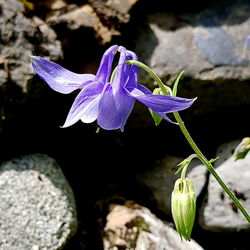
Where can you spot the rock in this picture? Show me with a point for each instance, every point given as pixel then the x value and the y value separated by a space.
pixel 160 180
pixel 102 17
pixel 225 151
pixel 85 16
pixel 113 12
pixel 218 212
pixel 197 172
pixel 137 228
pixel 209 46
pixel 20 37
pixel 37 209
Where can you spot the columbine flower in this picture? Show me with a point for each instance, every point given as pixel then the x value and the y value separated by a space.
pixel 110 103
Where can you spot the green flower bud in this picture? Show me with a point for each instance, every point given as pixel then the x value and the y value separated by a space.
pixel 183 207
pixel 242 149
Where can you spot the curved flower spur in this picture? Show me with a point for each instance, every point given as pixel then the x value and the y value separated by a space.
pixel 107 98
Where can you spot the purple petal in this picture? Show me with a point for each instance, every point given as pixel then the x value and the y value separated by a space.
pixel 85 106
pixel 161 103
pixel 59 78
pixel 132 75
pixel 165 117
pixel 121 74
pixel 114 109
pixel 104 71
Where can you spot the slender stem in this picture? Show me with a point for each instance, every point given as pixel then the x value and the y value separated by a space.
pixel 183 172
pixel 151 73
pixel 191 142
pixel 209 166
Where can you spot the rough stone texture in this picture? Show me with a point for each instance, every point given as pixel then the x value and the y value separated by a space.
pixel 137 228
pixel 218 213
pixel 103 17
pixel 20 38
pixel 209 46
pixel 82 17
pixel 37 208
pixel 160 181
pixel 113 12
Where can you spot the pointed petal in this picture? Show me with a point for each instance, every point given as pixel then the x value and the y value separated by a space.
pixel 165 117
pixel 161 103
pixel 114 109
pixel 57 77
pixel 104 71
pixel 85 106
pixel 121 75
pixel 131 70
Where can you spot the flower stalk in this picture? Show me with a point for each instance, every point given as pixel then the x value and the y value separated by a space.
pixel 193 145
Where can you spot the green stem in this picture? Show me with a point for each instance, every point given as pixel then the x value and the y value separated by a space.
pixel 209 166
pixel 191 142
pixel 183 172
pixel 151 73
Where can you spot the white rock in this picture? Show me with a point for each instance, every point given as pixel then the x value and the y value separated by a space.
pixel 218 212
pixel 139 229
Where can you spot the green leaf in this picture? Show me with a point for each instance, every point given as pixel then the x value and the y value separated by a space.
pixel 213 160
pixel 157 119
pixel 176 83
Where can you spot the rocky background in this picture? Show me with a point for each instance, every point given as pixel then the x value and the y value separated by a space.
pixel 77 189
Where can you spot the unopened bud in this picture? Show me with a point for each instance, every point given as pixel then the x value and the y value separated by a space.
pixel 242 149
pixel 183 207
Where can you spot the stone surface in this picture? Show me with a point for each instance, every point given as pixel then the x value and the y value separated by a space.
pixel 225 151
pixel 37 208
pixel 20 37
pixel 137 228
pixel 218 212
pixel 75 18
pixel 210 46
pixel 113 12
pixel 160 181
pixel 197 173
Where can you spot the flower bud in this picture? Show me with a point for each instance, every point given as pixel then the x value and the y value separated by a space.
pixel 183 207
pixel 242 149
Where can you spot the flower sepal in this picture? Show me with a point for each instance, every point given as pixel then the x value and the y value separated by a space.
pixel 158 91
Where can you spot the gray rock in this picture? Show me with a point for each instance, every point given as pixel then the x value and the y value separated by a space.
pixel 225 151
pixel 197 173
pixel 210 46
pixel 187 42
pixel 160 181
pixel 218 212
pixel 137 228
pixel 37 209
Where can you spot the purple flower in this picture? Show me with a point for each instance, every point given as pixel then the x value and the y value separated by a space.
pixel 110 103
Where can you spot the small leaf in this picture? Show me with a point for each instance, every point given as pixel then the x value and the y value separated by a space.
pixel 157 119
pixel 213 160
pixel 176 83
